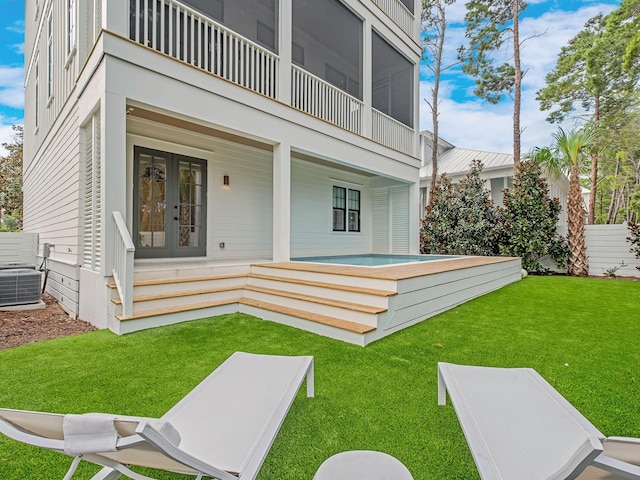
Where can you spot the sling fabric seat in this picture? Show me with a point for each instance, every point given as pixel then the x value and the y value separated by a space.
pixel 519 427
pixel 222 429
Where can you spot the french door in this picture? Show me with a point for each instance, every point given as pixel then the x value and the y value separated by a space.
pixel 169 204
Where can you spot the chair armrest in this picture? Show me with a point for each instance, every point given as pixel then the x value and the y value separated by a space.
pixel 617 467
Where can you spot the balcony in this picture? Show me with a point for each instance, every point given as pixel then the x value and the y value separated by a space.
pixel 399 13
pixel 185 34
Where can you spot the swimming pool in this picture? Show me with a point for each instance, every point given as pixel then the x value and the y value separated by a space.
pixel 372 259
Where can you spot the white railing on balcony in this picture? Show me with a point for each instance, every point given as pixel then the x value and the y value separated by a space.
pixel 183 33
pixel 392 133
pixel 123 252
pixel 321 99
pixel 399 13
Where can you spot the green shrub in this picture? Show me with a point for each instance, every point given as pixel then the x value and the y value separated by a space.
pixel 461 219
pixel 529 220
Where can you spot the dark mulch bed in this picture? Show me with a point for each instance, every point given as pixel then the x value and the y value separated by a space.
pixel 19 327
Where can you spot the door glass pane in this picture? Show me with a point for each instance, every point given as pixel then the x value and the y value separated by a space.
pixel 190 202
pixel 152 200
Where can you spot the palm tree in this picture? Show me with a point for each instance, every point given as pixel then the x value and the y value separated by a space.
pixel 569 155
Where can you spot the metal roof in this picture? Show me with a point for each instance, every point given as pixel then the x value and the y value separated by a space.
pixel 457 161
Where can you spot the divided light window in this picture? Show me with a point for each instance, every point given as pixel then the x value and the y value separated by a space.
pixel 346 210
pixel 36 87
pixel 71 26
pixel 327 42
pixel 50 55
pixel 392 82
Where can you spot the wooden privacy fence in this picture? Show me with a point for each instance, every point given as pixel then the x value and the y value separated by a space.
pixel 607 248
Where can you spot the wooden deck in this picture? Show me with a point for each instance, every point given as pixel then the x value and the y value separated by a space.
pixel 356 304
pixel 391 272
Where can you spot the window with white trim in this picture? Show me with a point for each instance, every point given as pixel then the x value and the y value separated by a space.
pixel 346 209
pixel 50 55
pixel 37 90
pixel 71 26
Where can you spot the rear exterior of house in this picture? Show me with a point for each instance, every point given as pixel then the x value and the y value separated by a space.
pixel 192 132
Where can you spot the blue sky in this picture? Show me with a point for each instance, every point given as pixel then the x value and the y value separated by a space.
pixel 465 121
pixel 11 67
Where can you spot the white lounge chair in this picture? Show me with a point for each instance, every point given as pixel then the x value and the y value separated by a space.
pixel 222 429
pixel 519 427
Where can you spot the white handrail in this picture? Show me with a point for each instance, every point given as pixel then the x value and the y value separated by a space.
pixel 123 253
pixel 399 13
pixel 187 35
pixel 394 134
pixel 319 98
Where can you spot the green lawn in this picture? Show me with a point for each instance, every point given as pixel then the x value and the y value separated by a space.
pixel 582 335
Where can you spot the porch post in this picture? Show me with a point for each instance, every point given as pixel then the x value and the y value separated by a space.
pixel 115 16
pixel 113 168
pixel 282 202
pixel 367 95
pixel 284 66
pixel 414 217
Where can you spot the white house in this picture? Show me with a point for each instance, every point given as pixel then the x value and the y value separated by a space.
pixel 179 153
pixel 498 171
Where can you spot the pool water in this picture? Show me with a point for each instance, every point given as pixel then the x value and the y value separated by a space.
pixel 372 259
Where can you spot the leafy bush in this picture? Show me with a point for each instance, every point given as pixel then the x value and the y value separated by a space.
pixel 634 239
pixel 529 220
pixel 461 219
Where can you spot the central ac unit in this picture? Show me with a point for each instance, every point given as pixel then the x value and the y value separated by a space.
pixel 19 287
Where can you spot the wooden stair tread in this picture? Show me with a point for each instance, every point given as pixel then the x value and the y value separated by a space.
pixel 178 309
pixel 313 317
pixel 346 288
pixel 187 293
pixel 169 281
pixel 357 307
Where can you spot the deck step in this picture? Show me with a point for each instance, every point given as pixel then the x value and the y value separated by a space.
pixel 188 293
pixel 312 317
pixel 356 307
pixel 168 281
pixel 332 286
pixel 177 309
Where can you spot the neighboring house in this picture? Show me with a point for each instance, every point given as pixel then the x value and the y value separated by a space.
pixel 215 132
pixel 498 172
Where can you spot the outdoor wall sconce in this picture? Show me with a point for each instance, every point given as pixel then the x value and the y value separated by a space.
pixel 225 180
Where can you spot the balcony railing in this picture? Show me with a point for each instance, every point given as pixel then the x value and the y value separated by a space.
pixel 399 13
pixel 392 133
pixel 321 99
pixel 183 33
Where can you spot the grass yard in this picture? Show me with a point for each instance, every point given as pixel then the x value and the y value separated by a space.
pixel 582 335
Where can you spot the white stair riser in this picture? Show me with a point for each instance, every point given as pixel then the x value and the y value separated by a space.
pixel 312 307
pixel 322 292
pixel 360 282
pixel 186 300
pixel 140 290
pixel 190 271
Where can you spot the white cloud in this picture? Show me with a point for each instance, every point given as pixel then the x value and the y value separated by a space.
pixel 16 27
pixel 6 132
pixel 11 87
pixel 479 125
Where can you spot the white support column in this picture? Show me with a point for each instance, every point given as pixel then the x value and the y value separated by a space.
pixel 113 167
pixel 367 89
pixel 414 217
pixel 282 202
pixel 115 16
pixel 284 66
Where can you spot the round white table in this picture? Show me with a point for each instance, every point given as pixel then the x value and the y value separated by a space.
pixel 362 465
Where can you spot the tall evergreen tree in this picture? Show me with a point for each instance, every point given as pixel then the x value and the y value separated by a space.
pixel 434 26
pixel 492 24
